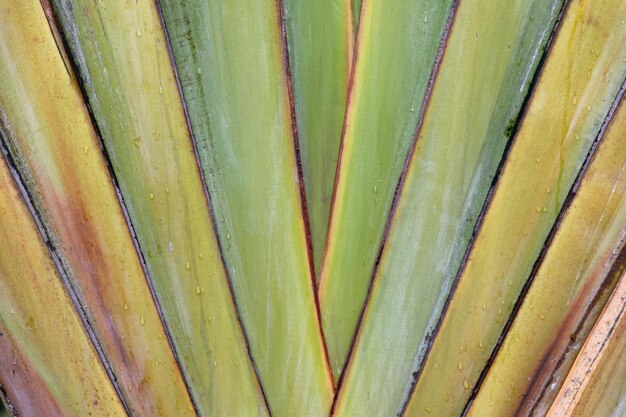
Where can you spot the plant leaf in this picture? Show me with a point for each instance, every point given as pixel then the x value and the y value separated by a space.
pixel 320 41
pixel 582 75
pixel 574 270
pixel 596 384
pixel 46 128
pixel 232 64
pixel 396 49
pixel 48 365
pixel 123 60
pixel 466 127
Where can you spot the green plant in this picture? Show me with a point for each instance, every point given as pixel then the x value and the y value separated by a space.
pixel 177 241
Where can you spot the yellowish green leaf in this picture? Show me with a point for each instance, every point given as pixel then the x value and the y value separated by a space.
pixel 394 55
pixel 469 120
pixel 574 270
pixel 581 78
pixel 46 127
pixel 122 57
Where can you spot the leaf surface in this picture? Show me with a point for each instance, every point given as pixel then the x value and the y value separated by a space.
pixel 48 364
pixel 46 127
pixel 582 76
pixel 320 39
pixel 574 270
pixel 122 57
pixel 232 62
pixel 596 384
pixel 467 124
pixel 395 52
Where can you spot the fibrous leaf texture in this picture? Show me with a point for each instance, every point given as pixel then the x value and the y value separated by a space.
pixel 312 208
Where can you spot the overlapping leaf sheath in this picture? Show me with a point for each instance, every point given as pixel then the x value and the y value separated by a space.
pixel 578 85
pixel 467 124
pixel 232 65
pixel 394 55
pixel 46 128
pixel 577 265
pixel 122 57
pixel 320 39
pixel 596 384
pixel 48 365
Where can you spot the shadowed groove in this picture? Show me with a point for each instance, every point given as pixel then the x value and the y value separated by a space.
pixel 9 407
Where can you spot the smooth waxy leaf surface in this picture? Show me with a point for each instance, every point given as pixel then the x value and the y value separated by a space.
pixel 320 39
pixel 574 270
pixel 394 54
pixel 466 127
pixel 596 384
pixel 46 127
pixel 124 65
pixel 573 96
pixel 48 365
pixel 232 64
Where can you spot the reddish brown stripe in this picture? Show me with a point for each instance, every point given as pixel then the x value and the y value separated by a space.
pixel 22 385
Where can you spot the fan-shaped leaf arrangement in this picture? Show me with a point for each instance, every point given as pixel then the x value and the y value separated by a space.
pixel 312 208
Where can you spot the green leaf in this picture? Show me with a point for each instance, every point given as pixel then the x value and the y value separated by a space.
pixel 571 100
pixel 395 51
pixel 232 64
pixel 122 56
pixel 320 42
pixel 465 129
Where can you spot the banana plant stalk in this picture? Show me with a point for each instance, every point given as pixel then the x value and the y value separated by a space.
pixel 334 208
